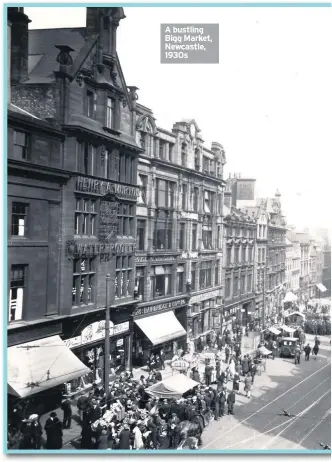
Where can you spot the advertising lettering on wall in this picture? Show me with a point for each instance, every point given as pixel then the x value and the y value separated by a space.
pixel 76 250
pixel 143 311
pixel 103 187
pixel 205 296
pixel 245 190
pixel 108 220
pixel 95 332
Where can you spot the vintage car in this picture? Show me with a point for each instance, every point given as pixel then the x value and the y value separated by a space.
pixel 288 346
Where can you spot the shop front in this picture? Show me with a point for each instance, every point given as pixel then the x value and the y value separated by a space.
pixel 204 318
pixel 89 348
pixel 159 326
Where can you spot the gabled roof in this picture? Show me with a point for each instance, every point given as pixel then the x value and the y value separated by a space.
pixel 42 52
pixel 18 110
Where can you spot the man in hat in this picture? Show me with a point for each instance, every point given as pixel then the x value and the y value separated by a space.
pixel 53 429
pixel 67 412
pixel 231 402
pixel 222 401
pixel 172 424
pixel 36 431
pixel 227 353
pixel 124 437
pixel 307 351
pixel 95 412
pixel 208 372
pixel 164 410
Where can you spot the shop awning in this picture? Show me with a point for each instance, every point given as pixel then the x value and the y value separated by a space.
pixel 172 387
pixel 288 329
pixel 161 327
pixel 290 297
pixel 264 351
pixel 295 313
pixel 39 365
pixel 274 331
pixel 321 287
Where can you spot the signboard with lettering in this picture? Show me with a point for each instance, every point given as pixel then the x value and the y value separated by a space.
pixel 108 220
pixel 104 187
pixel 95 332
pixel 245 190
pixel 146 310
pixel 76 250
pixel 189 215
pixel 180 365
pixel 201 297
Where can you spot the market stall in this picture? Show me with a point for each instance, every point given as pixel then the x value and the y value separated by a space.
pixel 172 387
pixel 287 330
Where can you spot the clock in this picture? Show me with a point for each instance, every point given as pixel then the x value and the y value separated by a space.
pixel 192 130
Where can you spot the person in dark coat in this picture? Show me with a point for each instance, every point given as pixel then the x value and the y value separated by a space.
pixel 36 433
pixel 49 429
pixel 103 440
pixel 231 402
pixel 245 365
pixel 195 375
pixel 222 402
pixel 315 350
pixel 164 410
pixel 86 436
pixel 162 359
pixel 124 438
pixel 218 369
pixel 307 351
pixel 158 376
pixel 54 433
pixel 253 371
pixel 67 412
pixel 174 408
pixel 153 435
pixel 247 385
pixel 297 356
pixel 171 429
pixel 236 382
pixel 95 412
pixel 227 353
pixel 208 373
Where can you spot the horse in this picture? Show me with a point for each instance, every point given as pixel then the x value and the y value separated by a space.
pixel 187 429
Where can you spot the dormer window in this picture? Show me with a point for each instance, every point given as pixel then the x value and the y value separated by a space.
pixel 110 113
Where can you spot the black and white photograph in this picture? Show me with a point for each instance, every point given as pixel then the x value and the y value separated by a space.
pixel 168 241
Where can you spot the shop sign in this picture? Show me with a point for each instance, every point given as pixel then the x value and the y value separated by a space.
pixel 140 259
pixel 104 187
pixel 189 215
pixel 162 257
pixel 180 365
pixel 160 307
pixel 75 250
pixel 188 255
pixel 201 297
pixel 95 332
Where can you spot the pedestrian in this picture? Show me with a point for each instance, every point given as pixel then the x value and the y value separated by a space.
pixel 195 375
pixel 315 350
pixel 67 412
pixel 208 372
pixel 227 353
pixel 172 430
pixel 297 356
pixel 102 441
pixel 236 383
pixel 222 401
pixel 231 402
pixel 307 351
pixel 124 437
pixel 247 385
pixel 245 365
pixel 218 369
pixel 162 359
pixel 36 432
pixel 253 371
pixel 138 438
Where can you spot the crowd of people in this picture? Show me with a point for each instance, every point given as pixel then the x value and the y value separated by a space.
pixel 130 418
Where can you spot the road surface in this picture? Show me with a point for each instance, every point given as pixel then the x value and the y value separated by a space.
pixel 303 390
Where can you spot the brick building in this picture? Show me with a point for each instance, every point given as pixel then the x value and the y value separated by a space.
pixel 179 237
pixel 72 190
pixel 239 262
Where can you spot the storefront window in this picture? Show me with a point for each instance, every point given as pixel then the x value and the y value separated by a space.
pixel 205 274
pixel 180 279
pixel 83 288
pixel 140 279
pixel 124 275
pixel 161 281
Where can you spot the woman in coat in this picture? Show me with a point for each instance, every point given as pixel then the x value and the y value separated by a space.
pixel 236 382
pixel 218 369
pixel 102 442
pixel 247 385
pixel 124 438
pixel 245 365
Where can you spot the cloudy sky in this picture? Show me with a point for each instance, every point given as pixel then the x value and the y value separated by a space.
pixel 268 101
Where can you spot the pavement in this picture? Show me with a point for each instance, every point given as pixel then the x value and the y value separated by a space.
pixel 303 390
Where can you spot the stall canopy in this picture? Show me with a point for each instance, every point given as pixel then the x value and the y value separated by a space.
pixel 264 351
pixel 172 387
pixel 295 313
pixel 321 287
pixel 290 297
pixel 36 366
pixel 274 331
pixel 161 328
pixel 287 329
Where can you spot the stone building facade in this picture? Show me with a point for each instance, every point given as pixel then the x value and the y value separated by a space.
pixel 79 147
pixel 179 233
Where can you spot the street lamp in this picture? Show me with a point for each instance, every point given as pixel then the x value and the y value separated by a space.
pixel 107 338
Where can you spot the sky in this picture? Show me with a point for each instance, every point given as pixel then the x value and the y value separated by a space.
pixel 268 101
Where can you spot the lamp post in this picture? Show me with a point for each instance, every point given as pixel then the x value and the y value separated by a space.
pixel 107 338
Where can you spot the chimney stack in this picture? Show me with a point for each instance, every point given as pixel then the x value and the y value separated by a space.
pixel 19 44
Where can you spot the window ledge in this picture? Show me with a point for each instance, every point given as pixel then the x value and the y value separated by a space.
pixel 112 131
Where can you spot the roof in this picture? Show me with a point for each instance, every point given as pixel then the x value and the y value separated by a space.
pixel 18 110
pixel 42 52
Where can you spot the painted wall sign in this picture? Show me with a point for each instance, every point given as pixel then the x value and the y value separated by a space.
pixel 163 257
pixel 103 187
pixel 201 297
pixel 140 259
pixel 245 189
pixel 188 255
pixel 95 332
pixel 75 250
pixel 160 307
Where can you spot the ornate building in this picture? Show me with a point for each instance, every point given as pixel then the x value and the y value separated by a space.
pixel 239 262
pixel 78 206
pixel 179 236
pixel 276 255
